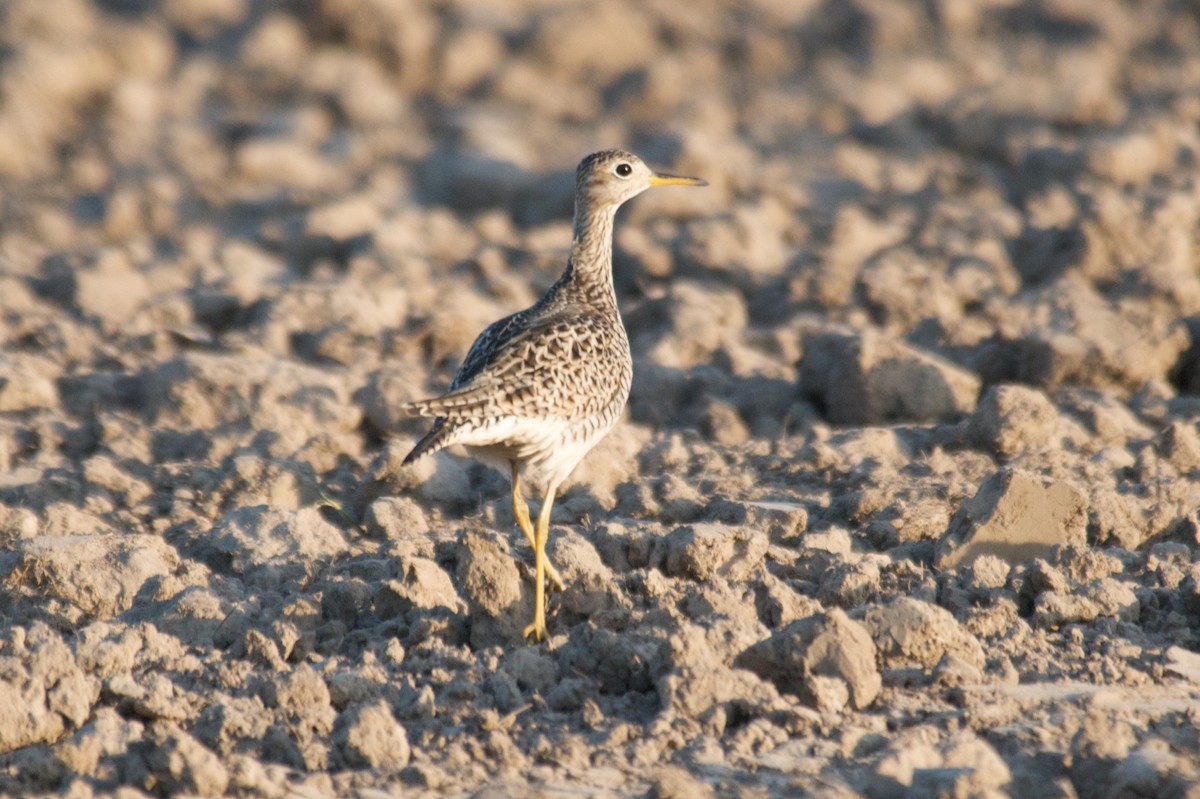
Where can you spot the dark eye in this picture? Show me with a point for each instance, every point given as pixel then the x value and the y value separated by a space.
pixel 623 170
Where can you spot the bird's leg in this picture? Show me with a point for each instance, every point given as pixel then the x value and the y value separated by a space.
pixel 521 511
pixel 537 630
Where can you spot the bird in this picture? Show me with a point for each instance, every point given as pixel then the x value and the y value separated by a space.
pixel 540 387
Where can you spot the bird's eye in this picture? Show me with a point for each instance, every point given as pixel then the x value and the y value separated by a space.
pixel 623 170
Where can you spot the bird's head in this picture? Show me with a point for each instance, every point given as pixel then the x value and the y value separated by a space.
pixel 611 177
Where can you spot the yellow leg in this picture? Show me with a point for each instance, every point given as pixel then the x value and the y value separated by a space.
pixel 537 630
pixel 521 511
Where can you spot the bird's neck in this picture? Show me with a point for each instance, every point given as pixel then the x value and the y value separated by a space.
pixel 590 265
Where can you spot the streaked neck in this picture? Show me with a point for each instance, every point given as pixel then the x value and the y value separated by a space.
pixel 592 245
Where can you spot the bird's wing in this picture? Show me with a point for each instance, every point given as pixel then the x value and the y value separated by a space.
pixel 487 344
pixel 554 367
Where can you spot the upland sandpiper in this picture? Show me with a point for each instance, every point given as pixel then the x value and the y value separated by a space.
pixel 539 388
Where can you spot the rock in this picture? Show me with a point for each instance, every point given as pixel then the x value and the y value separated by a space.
pixel 292 401
pixel 1182 662
pixel 986 573
pixel 181 764
pixel 260 650
pixel 26 382
pixel 965 765
pixel 1013 419
pixel 910 631
pixel 422 585
pixel 1153 769
pixel 272 161
pixel 104 472
pixel 532 669
pixel 108 648
pixel 698 320
pixel 224 723
pixel 707 551
pixel 778 603
pixel 470 55
pixel 969 766
pixel 303 696
pixel 344 601
pixel 99 574
pixel 470 181
pixel 441 479
pixel 829 694
pixel 281 484
pixel 1114 519
pixel 106 735
pixel 857 235
pixel 43 693
pixel 864 378
pixel 1105 597
pixel 113 290
pixel 343 219
pixel 370 737
pixel 499 610
pixel 779 520
pixel 590 585
pixel 395 517
pixel 849 585
pixel 261 538
pixel 600 44
pixel 1015 517
pixel 616 662
pixel 1130 156
pixel 903 287
pixel 17 523
pixel 1179 443
pixel 827 644
pixel 382 396
pixel 674 782
pixel 1101 744
pixel 193 615
pixel 1088 341
pixel 721 422
pixel 1103 414
pixel 952 671
pixel 363 685
pixel 693 690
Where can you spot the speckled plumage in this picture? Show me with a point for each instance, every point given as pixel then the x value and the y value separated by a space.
pixel 539 388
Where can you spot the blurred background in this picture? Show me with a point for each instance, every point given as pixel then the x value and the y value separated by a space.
pixel 1007 185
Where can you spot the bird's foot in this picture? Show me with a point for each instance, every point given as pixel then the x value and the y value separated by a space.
pixel 537 630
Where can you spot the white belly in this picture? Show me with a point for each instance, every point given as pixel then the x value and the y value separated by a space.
pixel 547 450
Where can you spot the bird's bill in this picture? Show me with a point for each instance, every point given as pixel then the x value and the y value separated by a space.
pixel 663 179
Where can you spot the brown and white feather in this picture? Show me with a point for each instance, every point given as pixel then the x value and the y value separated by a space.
pixel 542 386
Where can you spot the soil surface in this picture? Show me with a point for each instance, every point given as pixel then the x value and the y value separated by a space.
pixel 905 499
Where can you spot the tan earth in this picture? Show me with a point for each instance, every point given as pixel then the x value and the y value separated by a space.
pixel 905 501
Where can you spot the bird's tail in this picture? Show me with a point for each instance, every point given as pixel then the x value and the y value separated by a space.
pixel 461 402
pixel 431 442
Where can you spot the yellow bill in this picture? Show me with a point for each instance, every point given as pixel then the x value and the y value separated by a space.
pixel 663 179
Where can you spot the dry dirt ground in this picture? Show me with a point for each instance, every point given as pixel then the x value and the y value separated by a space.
pixel 905 500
